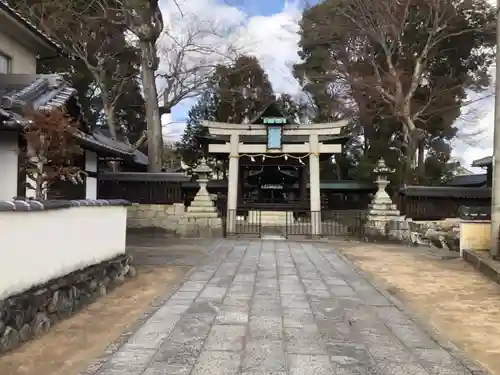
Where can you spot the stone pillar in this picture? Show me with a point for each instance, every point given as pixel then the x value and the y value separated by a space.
pixel 314 183
pixel 302 183
pixel 9 165
pixel 241 182
pixel 232 186
pixel 383 215
pixel 91 179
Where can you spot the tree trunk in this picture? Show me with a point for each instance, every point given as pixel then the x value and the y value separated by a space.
pixel 410 156
pixel 39 185
pixel 495 190
pixel 155 140
pixel 109 116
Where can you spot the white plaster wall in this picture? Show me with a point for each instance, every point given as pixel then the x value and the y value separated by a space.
pixel 23 60
pixel 9 154
pixel 91 182
pixel 38 246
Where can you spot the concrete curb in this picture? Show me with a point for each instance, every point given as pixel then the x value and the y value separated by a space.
pixel 94 366
pixel 483 266
pixel 438 337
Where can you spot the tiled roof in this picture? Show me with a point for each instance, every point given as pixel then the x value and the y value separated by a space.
pixel 468 180
pixel 19 92
pixel 271 110
pixel 483 162
pixel 40 92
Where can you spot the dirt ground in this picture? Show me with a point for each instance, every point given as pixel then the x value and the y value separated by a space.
pixel 459 302
pixel 73 343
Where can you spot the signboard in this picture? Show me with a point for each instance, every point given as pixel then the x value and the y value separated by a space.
pixel 274 120
pixel 271 186
pixel 274 132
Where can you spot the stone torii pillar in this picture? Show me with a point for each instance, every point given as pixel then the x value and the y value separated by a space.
pixel 314 185
pixel 232 186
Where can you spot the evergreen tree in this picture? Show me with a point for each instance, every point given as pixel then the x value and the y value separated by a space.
pixel 238 93
pixel 355 71
pixel 243 89
pixel 190 147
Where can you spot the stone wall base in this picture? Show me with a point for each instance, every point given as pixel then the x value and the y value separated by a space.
pixel 164 216
pixel 174 219
pixel 392 228
pixel 32 313
pixel 204 227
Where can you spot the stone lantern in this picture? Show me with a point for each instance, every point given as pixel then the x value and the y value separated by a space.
pixel 382 171
pixel 201 219
pixel 382 211
pixel 202 203
pixel 203 172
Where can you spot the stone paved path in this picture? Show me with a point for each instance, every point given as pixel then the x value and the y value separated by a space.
pixel 276 308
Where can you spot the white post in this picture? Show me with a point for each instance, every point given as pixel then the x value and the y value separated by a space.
pixel 9 156
pixel 91 181
pixel 495 189
pixel 314 182
pixel 232 186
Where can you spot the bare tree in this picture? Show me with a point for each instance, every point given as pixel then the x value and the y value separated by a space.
pixel 380 28
pixel 189 56
pixel 87 31
pixel 190 49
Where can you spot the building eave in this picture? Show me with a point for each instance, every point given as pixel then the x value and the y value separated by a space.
pixel 49 46
pixel 483 162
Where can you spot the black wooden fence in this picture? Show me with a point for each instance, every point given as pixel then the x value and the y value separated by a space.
pixel 439 202
pixel 143 188
pixel 415 202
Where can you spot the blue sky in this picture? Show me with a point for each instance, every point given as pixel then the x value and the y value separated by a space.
pixel 263 7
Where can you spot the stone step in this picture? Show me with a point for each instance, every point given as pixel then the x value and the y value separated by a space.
pixel 196 203
pixel 201 214
pixel 201 209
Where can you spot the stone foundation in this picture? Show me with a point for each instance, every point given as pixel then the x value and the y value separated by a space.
pixel 162 216
pixel 203 227
pixel 32 313
pixel 174 219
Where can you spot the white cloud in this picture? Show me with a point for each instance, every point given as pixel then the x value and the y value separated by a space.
pixel 475 138
pixel 271 39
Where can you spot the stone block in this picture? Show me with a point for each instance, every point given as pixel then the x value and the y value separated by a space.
pixel 264 356
pixel 32 313
pixel 226 338
pixel 215 362
pixel 304 340
pixel 179 208
pixel 169 223
pixel 309 364
pixel 133 211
